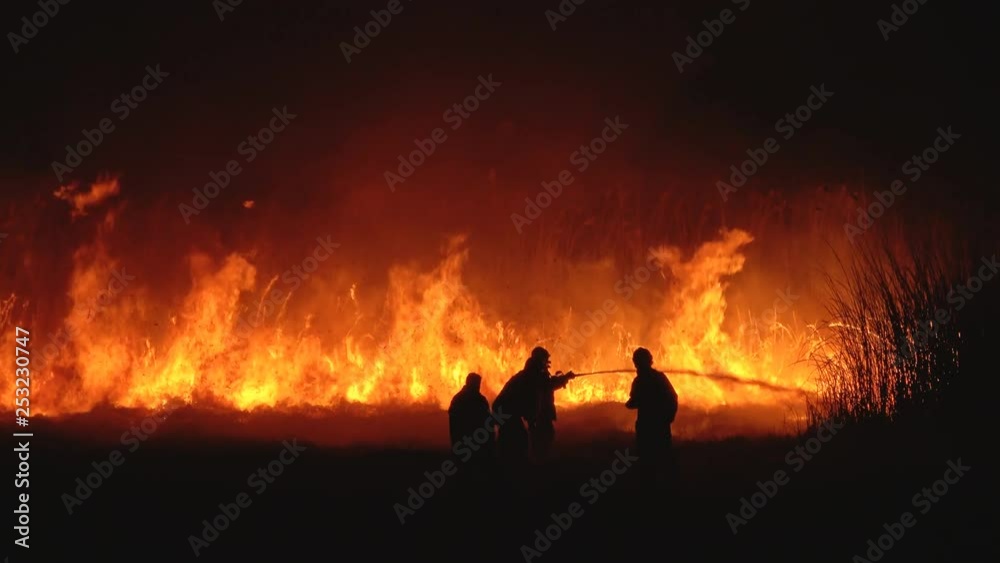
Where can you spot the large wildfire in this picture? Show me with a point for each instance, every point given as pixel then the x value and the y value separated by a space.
pixel 242 337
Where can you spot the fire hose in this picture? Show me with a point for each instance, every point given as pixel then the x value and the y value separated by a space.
pixel 727 377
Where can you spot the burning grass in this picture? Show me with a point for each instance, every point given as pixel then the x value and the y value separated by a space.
pixel 354 337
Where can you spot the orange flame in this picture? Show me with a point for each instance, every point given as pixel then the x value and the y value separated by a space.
pixel 436 333
pixel 80 201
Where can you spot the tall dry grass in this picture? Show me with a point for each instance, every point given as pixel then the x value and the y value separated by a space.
pixel 884 357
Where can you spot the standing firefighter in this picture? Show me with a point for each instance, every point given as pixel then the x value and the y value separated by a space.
pixel 543 386
pixel 530 395
pixel 655 399
pixel 469 411
pixel 514 400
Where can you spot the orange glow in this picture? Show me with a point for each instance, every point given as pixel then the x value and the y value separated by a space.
pixel 222 346
pixel 80 201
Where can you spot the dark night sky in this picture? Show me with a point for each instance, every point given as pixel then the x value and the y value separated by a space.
pixel 607 58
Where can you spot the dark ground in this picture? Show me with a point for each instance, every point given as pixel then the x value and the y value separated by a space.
pixel 337 503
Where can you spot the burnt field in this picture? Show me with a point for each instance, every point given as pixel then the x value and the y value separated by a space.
pixel 324 502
